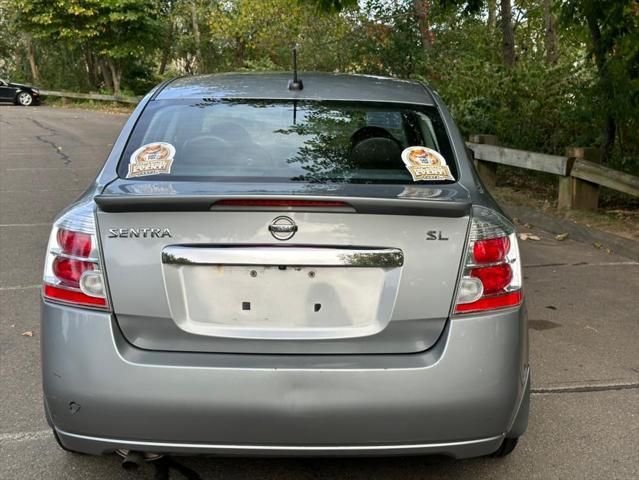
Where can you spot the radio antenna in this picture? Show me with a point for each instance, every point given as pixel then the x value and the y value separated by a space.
pixel 295 84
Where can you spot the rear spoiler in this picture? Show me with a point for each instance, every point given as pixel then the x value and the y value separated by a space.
pixel 364 205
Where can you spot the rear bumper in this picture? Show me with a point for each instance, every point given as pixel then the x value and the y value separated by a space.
pixel 460 398
pixel 465 449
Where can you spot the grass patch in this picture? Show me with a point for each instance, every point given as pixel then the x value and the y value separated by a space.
pixel 97 105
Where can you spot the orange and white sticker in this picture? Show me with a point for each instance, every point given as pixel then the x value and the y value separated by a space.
pixel 424 163
pixel 151 159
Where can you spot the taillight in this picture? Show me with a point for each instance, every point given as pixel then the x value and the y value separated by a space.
pixel 249 202
pixel 492 272
pixel 72 271
pixel 491 250
pixel 74 243
pixel 69 271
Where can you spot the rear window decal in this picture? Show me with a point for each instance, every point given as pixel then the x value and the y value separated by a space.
pixel 151 159
pixel 426 164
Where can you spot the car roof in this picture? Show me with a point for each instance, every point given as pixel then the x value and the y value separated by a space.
pixel 317 86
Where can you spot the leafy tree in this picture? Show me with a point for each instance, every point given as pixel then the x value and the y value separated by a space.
pixel 116 29
pixel 388 39
pixel 250 33
pixel 611 31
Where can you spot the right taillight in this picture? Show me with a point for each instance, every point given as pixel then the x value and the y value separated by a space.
pixel 72 272
pixel 492 271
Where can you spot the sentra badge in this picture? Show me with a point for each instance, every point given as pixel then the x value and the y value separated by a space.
pixel 146 232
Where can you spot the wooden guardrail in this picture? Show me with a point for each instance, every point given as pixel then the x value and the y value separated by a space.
pixel 90 96
pixel 607 177
pixel 579 172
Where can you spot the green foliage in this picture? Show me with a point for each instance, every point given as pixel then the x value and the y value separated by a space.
pixel 387 41
pixel 117 28
pixel 611 32
pixel 265 32
pixel 331 5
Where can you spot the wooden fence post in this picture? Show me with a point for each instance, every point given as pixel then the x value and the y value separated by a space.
pixel 574 192
pixel 487 170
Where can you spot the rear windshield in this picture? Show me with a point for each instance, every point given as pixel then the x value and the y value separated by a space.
pixel 286 141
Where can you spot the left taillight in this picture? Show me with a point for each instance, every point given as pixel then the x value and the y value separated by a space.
pixel 492 272
pixel 72 269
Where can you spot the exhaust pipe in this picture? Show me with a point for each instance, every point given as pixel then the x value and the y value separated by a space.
pixel 132 461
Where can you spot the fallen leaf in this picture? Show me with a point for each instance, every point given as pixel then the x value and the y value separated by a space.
pixel 28 333
pixel 597 245
pixel 528 236
pixel 561 237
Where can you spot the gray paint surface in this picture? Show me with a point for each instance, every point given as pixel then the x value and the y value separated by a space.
pixel 459 392
pixel 317 86
pixel 138 282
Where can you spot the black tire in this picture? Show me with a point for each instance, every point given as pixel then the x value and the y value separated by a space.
pixel 507 446
pixel 57 439
pixel 24 99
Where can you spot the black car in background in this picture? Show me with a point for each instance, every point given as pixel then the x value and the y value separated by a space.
pixel 18 94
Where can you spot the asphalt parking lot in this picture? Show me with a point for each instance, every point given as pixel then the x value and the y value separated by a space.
pixel 584 330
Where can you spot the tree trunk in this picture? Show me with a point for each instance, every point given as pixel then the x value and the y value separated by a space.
pixel 107 76
pixel 599 51
pixel 90 62
pixel 507 33
pixel 196 34
pixel 492 14
pixel 166 52
pixel 35 75
pixel 550 33
pixel 188 64
pixel 239 52
pixel 422 9
pixel 116 75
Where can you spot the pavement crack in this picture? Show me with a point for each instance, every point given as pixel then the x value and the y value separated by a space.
pixel 52 132
pixel 586 388
pixel 582 264
pixel 44 127
pixel 539 265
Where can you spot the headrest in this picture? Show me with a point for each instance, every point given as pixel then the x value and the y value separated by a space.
pixel 374 147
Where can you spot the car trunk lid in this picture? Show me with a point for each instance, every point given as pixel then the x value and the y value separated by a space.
pixel 369 269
